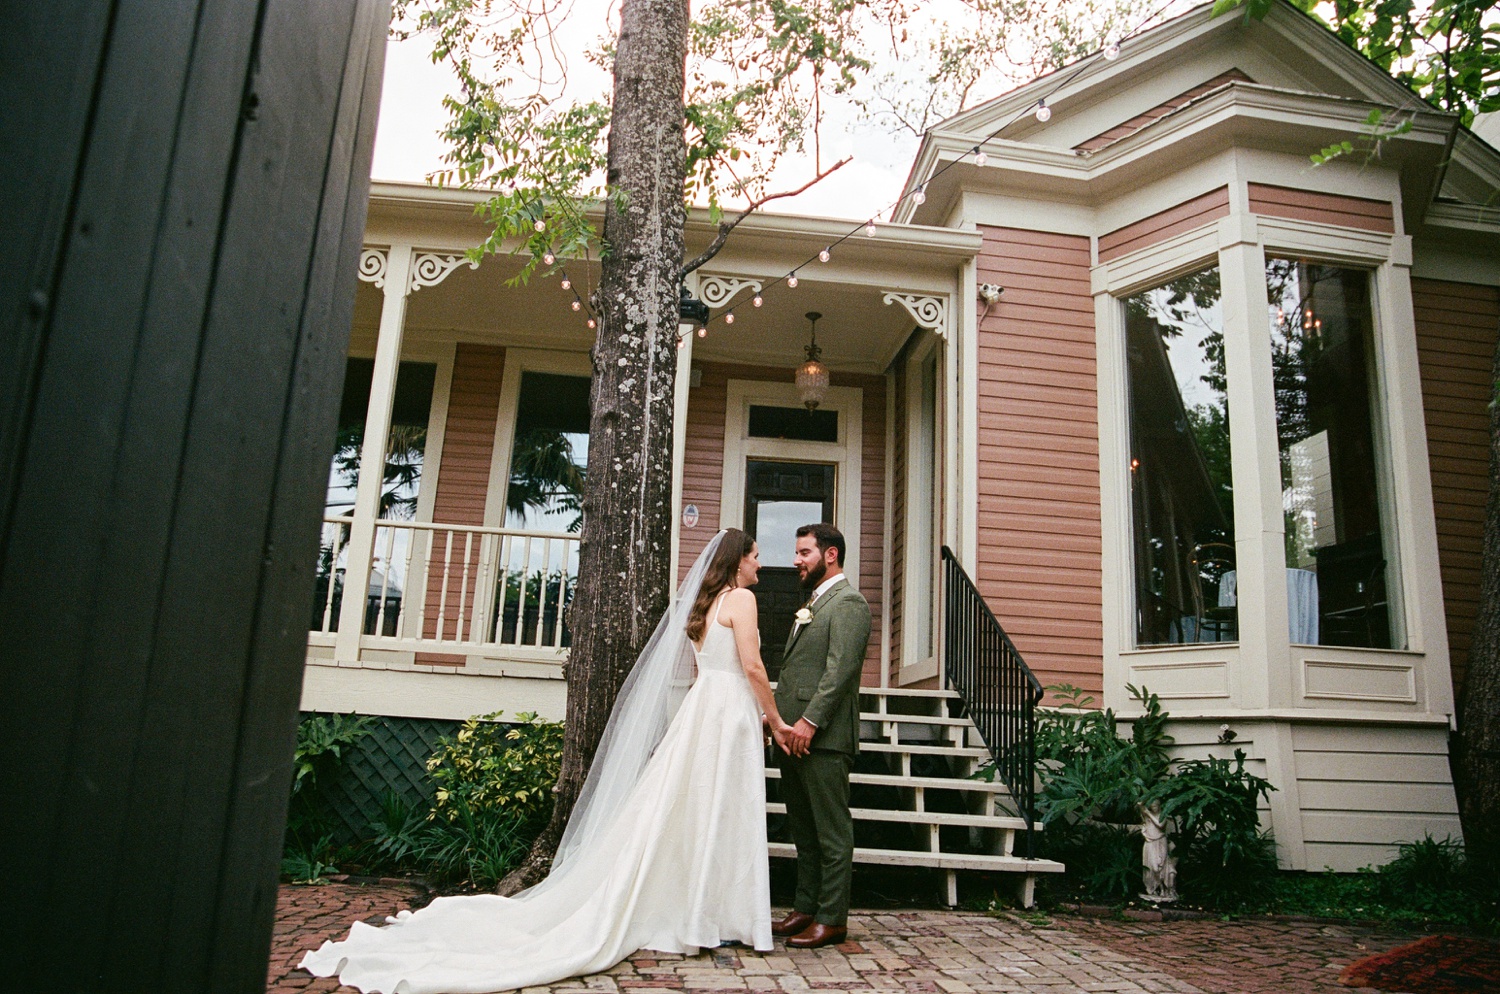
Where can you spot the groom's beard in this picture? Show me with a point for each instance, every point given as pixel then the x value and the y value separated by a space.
pixel 814 575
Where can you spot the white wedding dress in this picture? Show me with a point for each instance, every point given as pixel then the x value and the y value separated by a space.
pixel 681 866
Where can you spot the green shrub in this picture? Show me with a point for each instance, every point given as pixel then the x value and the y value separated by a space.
pixel 308 850
pixel 1088 772
pixel 490 768
pixel 320 746
pixel 493 795
pixel 1223 857
pixel 1094 783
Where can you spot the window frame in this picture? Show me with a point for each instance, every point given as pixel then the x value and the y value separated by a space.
pixel 1276 673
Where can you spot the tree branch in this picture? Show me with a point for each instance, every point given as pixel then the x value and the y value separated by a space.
pixel 725 227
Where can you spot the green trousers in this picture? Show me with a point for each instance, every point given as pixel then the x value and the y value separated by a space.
pixel 816 790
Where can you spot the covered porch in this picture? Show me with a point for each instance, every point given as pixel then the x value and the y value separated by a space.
pixel 453 493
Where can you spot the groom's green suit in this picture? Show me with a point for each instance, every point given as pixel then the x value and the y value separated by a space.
pixel 819 681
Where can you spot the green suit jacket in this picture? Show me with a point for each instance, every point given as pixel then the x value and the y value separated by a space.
pixel 820 670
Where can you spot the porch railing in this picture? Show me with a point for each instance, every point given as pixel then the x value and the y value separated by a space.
pixel 999 692
pixel 445 587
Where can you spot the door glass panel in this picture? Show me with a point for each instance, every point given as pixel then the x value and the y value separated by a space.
pixel 1339 561
pixel 777 522
pixel 781 497
pixel 1181 487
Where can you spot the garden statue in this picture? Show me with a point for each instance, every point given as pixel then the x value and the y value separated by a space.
pixel 1158 865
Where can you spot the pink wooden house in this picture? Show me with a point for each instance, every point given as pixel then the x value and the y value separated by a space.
pixel 1191 413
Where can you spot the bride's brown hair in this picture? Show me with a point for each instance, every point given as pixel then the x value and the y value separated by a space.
pixel 733 547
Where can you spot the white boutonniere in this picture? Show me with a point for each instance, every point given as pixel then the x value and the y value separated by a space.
pixel 803 616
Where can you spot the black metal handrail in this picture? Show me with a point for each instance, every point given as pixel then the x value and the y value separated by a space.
pixel 999 691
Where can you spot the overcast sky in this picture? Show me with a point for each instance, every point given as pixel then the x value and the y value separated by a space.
pixel 407 146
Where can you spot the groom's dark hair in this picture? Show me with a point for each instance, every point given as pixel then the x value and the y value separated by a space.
pixel 827 537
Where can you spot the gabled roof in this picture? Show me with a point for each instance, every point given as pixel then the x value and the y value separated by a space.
pixel 1169 74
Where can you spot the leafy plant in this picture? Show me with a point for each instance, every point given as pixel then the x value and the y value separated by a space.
pixel 1090 771
pixel 490 767
pixel 493 795
pixel 304 863
pixel 1222 853
pixel 398 832
pixel 1095 782
pixel 321 741
pixel 308 848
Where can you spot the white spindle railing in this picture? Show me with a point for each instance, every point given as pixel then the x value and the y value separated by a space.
pixel 450 588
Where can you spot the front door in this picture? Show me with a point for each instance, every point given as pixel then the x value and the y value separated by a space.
pixel 781 497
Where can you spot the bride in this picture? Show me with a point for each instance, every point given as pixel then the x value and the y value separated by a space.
pixel 666 846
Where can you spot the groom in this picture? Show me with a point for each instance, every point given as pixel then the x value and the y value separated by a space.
pixel 818 692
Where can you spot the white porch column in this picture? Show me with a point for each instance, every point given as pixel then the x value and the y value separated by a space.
pixel 361 547
pixel 1262 671
pixel 680 388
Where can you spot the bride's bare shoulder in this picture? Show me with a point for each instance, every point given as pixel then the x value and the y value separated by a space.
pixel 738 603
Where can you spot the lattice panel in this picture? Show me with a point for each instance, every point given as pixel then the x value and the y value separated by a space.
pixel 393 757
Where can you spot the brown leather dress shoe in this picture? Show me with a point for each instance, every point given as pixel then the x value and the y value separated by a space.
pixel 791 924
pixel 817 934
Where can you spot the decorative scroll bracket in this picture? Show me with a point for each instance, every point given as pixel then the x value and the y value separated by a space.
pixel 373 263
pixel 929 312
pixel 716 291
pixel 431 268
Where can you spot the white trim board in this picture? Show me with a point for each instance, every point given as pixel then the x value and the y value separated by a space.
pixel 845 454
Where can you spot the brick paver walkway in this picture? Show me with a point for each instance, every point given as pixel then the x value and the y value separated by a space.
pixel 918 952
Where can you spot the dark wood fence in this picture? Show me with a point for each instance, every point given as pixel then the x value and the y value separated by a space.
pixel 183 186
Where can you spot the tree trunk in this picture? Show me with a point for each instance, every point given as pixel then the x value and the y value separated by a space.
pixel 1476 747
pixel 623 565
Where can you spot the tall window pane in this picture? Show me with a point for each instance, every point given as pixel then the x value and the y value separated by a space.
pixel 401 482
pixel 1323 364
pixel 550 454
pixel 537 576
pixel 1182 492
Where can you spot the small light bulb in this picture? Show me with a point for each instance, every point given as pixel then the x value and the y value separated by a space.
pixel 870 229
pixel 920 196
pixel 1043 112
pixel 567 284
pixel 702 332
pixel 729 318
pixel 679 341
pixel 540 225
pixel 1112 51
pixel 548 258
pixel 981 159
pixel 758 300
pixel 593 323
pixel 791 280
pixel 577 305
pixel 823 256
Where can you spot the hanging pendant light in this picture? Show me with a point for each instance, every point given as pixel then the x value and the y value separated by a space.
pixel 812 375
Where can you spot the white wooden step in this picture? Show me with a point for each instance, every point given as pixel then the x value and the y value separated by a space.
pixel 915 749
pixel 928 783
pixel 940 860
pixel 1004 822
pixel 914 719
pixel 909 693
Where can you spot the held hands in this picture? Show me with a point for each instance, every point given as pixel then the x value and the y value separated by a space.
pixel 785 735
pixel 799 738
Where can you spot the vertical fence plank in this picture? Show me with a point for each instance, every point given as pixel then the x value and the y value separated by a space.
pixel 194 180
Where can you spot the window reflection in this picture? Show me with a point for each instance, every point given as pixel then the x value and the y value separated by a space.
pixel 550 453
pixel 401 482
pixel 1182 490
pixel 1324 374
